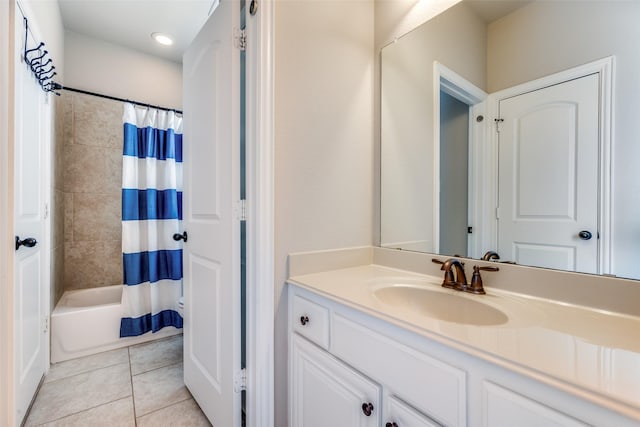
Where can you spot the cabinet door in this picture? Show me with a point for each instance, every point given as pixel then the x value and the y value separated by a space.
pixel 326 392
pixel 506 408
pixel 400 414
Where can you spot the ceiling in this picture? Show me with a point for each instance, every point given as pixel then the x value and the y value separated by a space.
pixel 490 10
pixel 130 23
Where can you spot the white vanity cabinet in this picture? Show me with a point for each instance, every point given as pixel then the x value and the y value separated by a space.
pixel 340 371
pixel 350 367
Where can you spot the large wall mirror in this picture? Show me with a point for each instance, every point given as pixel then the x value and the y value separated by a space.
pixel 514 127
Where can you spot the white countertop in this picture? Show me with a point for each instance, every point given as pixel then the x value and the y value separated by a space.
pixel 589 350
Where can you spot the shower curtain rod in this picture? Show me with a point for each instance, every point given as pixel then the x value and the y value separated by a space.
pixel 58 86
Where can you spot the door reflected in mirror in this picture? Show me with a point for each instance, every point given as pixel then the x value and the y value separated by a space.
pixel 497 135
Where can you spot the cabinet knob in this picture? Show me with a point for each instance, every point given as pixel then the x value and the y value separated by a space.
pixel 304 320
pixel 391 425
pixel 367 409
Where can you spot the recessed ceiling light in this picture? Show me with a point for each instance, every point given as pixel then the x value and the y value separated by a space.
pixel 162 39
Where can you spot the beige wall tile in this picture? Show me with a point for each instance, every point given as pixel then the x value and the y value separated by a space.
pixel 92 181
pixel 96 217
pixel 84 265
pixel 113 166
pixel 67 110
pixel 68 217
pixel 57 275
pixel 58 213
pixel 58 145
pixel 113 262
pixel 84 170
pixel 97 122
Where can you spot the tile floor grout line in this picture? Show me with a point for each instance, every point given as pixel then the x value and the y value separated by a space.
pixel 131 377
pixel 155 369
pixel 84 372
pixel 165 407
pixel 79 412
pixel 133 395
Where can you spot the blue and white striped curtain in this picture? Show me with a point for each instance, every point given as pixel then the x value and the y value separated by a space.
pixel 151 214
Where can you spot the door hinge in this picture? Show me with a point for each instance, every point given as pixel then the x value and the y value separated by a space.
pixel 497 122
pixel 498 212
pixel 46 210
pixel 240 381
pixel 45 324
pixel 242 210
pixel 240 39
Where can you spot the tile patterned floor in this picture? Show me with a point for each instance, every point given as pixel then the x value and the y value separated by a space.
pixel 136 386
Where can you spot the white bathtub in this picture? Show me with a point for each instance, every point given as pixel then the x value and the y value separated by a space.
pixel 87 321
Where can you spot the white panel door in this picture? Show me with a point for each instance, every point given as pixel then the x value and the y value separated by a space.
pixel 211 74
pixel 326 392
pixel 548 176
pixel 30 282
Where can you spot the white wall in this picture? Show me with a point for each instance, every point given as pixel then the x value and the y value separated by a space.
pixel 547 37
pixel 323 140
pixel 45 15
pixel 456 39
pixel 393 19
pixel 102 67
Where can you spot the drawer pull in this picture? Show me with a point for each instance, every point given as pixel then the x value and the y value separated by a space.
pixel 304 320
pixel 367 409
pixel 391 425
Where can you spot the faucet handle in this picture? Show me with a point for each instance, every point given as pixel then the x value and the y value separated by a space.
pixel 476 286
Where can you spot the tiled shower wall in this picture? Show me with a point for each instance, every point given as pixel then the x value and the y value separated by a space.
pixel 57 208
pixel 92 179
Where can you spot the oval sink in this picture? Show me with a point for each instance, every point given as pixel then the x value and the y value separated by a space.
pixel 441 305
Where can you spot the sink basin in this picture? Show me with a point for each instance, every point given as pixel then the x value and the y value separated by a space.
pixel 442 305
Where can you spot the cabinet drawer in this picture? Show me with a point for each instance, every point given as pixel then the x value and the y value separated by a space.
pixel 310 320
pixel 402 415
pixel 505 408
pixel 427 384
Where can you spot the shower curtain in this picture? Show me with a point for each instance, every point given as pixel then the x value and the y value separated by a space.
pixel 151 214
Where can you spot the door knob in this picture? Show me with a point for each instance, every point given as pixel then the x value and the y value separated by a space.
pixel 29 242
pixel 367 409
pixel 177 236
pixel 585 235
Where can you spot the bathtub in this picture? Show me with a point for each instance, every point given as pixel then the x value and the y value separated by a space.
pixel 87 321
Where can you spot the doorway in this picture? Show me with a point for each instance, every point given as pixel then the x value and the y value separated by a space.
pixel 458 137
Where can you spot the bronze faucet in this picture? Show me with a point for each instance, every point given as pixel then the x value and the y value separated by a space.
pixel 490 255
pixel 458 281
pixel 454 275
